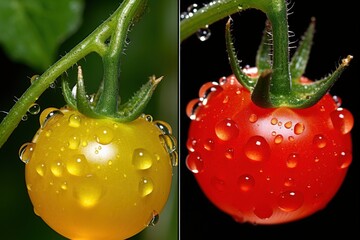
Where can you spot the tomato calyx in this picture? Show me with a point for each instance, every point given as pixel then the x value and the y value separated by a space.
pixel 285 89
pixel 105 103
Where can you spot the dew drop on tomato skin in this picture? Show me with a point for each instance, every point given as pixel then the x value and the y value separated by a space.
pixel 73 143
pixel 299 128
pixel 253 118
pixel 89 191
pixel 104 135
pixel 257 149
pixel 342 120
pixel 146 186
pixel 26 151
pixel 319 141
pixel 77 165
pixel 41 169
pixel 49 116
pixel 246 182
pixel 142 159
pixel 290 201
pixel 229 153
pixel 74 121
pixel 209 144
pixel 190 144
pixel 194 163
pixel 57 168
pixel 226 129
pixel 345 159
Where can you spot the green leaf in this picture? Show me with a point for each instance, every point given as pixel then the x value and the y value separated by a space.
pixel 32 30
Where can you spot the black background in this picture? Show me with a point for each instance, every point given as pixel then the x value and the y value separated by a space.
pixel 337 31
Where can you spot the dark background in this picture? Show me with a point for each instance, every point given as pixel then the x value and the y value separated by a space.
pixel 337 31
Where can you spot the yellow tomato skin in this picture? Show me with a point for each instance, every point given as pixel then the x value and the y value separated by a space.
pixel 97 178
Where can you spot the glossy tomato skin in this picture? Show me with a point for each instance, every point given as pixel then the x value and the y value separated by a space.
pixel 96 178
pixel 266 166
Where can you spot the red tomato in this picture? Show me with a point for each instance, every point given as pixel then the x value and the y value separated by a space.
pixel 267 165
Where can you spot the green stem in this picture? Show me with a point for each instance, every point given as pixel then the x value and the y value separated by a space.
pixel 108 100
pixel 95 42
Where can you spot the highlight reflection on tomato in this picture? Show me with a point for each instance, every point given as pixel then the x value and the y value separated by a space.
pixel 97 178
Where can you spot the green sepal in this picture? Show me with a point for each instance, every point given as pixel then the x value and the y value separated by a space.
pixel 134 107
pixel 246 81
pixel 300 58
pixel 261 93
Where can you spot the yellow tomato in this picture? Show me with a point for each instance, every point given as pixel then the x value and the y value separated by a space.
pixel 97 178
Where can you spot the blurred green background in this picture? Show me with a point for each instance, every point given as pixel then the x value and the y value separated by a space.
pixel 153 50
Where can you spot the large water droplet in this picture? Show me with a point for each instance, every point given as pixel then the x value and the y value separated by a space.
pixel 226 129
pixel 263 211
pixel 26 151
pixel 299 128
pixel 290 201
pixel 74 121
pixel 146 186
pixel 34 109
pixel 246 182
pixel 342 120
pixel 257 148
pixel 142 159
pixel 77 165
pixel 49 115
pixel 174 158
pixel 288 124
pixel 194 162
pixel 208 90
pixel 104 135
pixel 278 139
pixel 203 34
pixel 89 191
pixel 192 107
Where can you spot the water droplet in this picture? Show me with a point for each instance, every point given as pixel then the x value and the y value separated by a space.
pixel 291 138
pixel 209 144
pixel 278 139
pixel 288 124
pixel 64 186
pixel 299 128
pixel 290 201
pixel 209 89
pixel 229 153
pixel 203 34
pixel 192 107
pixel 169 142
pixel 41 169
pixel 263 211
pixel 257 148
pixel 49 115
pixel 74 121
pixel 57 169
pixel 183 15
pixel 142 159
pixel 246 182
pixel 253 118
pixel 192 8
pixel 147 117
pixel 174 158
pixel 34 78
pixel 154 218
pixel 337 100
pixel 274 121
pixel 104 135
pixel 146 186
pixel 226 129
pixel 345 159
pixel 190 144
pixel 164 127
pixel 289 182
pixel 292 160
pixel 34 109
pixel 342 120
pixel 24 117
pixel 319 141
pixel 73 142
pixel 77 165
pixel 194 162
pixel 26 151
pixel 89 191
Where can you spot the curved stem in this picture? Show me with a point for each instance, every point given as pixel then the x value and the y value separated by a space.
pixel 93 43
pixel 129 10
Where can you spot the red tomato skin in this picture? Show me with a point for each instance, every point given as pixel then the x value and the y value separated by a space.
pixel 267 165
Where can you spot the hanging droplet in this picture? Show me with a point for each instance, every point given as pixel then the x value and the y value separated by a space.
pixel 169 142
pixel 164 127
pixel 342 120
pixel 154 218
pixel 194 163
pixel 34 109
pixel 190 144
pixel 74 121
pixel 203 34
pixel 49 115
pixel 142 159
pixel 34 78
pixel 257 148
pixel 24 117
pixel 226 129
pixel 26 151
pixel 193 8
pixel 174 158
pixel 146 186
pixel 192 107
